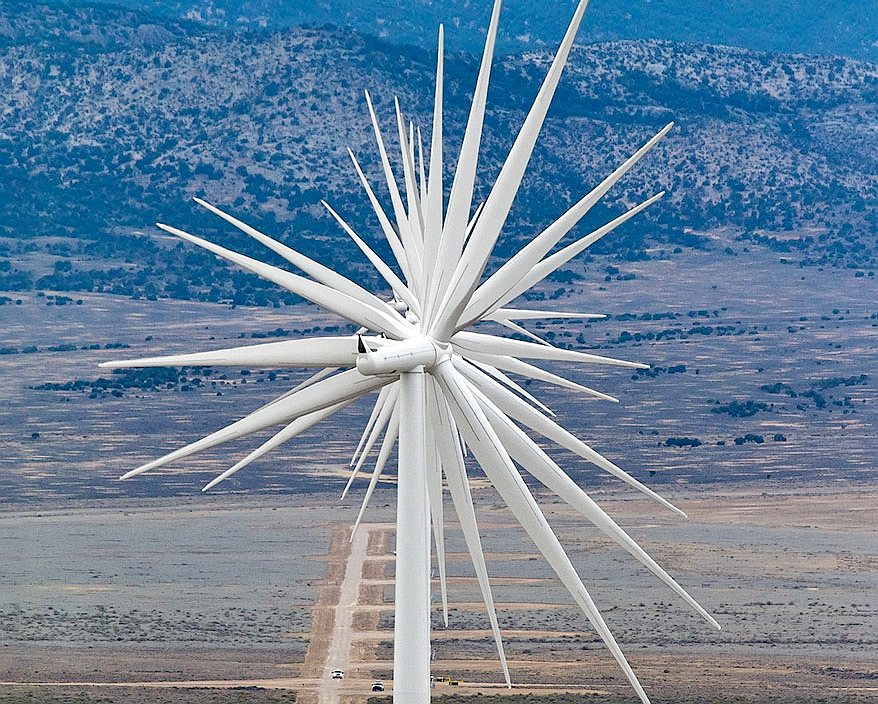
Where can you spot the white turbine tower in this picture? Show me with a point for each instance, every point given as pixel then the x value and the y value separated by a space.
pixel 440 387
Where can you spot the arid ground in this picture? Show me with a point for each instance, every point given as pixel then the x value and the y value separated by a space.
pixel 758 418
pixel 184 601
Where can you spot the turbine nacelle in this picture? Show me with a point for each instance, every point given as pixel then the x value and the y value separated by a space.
pixel 399 357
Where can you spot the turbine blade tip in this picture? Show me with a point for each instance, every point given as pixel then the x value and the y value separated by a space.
pixel 170 229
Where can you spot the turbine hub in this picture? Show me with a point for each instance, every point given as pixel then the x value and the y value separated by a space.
pixel 403 356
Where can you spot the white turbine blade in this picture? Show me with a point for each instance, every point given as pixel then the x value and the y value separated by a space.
pixel 524 314
pixel 458 486
pixel 434 499
pixel 561 257
pixel 396 285
pixel 433 204
pixel 526 258
pixel 506 381
pixel 422 176
pixel 495 461
pixel 420 200
pixel 312 268
pixel 297 427
pixel 435 290
pixel 415 216
pixel 515 408
pixel 491 344
pixel 548 265
pixel 472 223
pixel 309 352
pixel 336 389
pixel 373 416
pixel 387 444
pixel 434 188
pixel 402 220
pixel 517 366
pixel 383 418
pixel 313 379
pixel 387 405
pixel 460 200
pixel 390 234
pixel 331 299
pixel 471 265
pixel 532 457
pixel 515 327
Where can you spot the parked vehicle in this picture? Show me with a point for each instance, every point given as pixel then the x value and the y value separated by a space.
pixel 337 674
pixel 377 686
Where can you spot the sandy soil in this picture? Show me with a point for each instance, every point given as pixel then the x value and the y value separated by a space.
pixel 790 574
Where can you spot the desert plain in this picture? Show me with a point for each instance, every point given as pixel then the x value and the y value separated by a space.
pixel 203 600
pixel 757 419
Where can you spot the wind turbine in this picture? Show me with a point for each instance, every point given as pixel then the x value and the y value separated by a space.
pixel 441 387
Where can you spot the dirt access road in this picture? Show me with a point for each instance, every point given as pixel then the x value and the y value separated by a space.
pixel 785 571
pixel 330 639
pixel 338 653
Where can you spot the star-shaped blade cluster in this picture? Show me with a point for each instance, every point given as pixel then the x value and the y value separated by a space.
pixel 440 251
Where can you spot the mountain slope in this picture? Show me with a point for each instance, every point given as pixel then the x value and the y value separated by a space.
pixel 842 27
pixel 97 137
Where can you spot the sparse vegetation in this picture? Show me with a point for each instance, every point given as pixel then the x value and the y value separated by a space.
pixel 146 695
pixel 741 409
pixel 683 442
pixel 101 159
pixel 748 438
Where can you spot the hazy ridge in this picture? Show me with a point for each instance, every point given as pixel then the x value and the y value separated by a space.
pixel 842 27
pixel 114 118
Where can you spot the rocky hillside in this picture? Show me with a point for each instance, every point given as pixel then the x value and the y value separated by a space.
pixel 845 27
pixel 112 119
pixel 95 26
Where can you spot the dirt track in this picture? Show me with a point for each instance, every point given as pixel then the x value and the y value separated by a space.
pixel 330 639
pixel 789 575
pixel 338 653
